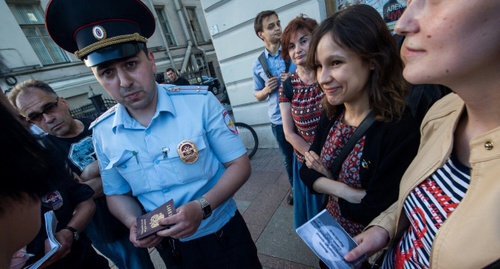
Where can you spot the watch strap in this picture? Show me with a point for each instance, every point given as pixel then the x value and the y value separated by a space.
pixel 205 207
pixel 76 235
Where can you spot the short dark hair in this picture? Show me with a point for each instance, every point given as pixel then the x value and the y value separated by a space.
pixel 257 23
pixel 30 171
pixel 361 30
pixel 170 69
pixel 299 23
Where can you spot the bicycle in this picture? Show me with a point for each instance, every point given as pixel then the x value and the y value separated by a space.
pixel 245 131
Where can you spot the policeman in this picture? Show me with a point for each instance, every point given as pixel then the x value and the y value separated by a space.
pixel 160 142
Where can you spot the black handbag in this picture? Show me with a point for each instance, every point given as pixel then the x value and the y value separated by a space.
pixel 358 133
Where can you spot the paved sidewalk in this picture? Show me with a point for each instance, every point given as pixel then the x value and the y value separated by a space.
pixel 262 202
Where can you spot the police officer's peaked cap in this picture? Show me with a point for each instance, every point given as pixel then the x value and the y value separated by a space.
pixel 97 31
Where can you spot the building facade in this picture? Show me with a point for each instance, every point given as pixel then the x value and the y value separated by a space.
pixel 231 26
pixel 181 41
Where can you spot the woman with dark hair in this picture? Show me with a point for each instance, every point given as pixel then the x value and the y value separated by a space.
pixel 447 214
pixel 358 68
pixel 25 170
pixel 300 111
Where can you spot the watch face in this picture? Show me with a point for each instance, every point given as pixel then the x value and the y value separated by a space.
pixel 205 207
pixel 76 236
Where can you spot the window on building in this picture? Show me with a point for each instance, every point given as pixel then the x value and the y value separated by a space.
pixel 195 24
pixel 165 26
pixel 30 17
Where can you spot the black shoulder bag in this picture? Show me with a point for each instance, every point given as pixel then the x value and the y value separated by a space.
pixel 358 133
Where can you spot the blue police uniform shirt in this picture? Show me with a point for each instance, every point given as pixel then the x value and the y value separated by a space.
pixel 276 66
pixel 145 160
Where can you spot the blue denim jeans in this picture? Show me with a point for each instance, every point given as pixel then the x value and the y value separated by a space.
pixel 286 150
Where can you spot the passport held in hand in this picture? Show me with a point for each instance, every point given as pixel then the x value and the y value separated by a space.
pixel 147 224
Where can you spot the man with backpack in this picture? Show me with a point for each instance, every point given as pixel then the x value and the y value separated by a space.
pixel 268 72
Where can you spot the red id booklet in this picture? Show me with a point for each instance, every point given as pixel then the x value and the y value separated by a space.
pixel 147 224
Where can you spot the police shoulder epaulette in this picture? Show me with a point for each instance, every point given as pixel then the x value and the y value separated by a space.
pixel 104 115
pixel 187 89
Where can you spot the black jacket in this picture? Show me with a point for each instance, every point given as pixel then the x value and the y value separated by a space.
pixel 389 149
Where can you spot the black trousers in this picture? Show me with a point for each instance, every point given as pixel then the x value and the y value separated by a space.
pixel 230 247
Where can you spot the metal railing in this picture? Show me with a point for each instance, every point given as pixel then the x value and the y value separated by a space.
pixel 90 110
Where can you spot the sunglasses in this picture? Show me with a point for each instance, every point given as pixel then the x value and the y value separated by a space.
pixel 48 108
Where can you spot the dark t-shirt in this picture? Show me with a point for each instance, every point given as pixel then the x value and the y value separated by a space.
pixel 79 151
pixel 181 81
pixel 66 194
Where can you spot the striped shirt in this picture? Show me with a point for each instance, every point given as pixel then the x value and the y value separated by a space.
pixel 427 207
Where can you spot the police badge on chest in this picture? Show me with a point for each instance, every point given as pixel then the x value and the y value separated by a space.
pixel 188 153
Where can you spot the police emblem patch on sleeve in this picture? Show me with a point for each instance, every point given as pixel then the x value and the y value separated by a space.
pixel 229 122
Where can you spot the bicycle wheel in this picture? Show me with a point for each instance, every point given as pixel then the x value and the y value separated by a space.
pixel 249 137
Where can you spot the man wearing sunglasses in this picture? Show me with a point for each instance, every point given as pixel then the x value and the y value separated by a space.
pixel 71 140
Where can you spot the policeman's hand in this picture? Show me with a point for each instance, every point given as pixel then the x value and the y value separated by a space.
pixel 65 238
pixel 370 241
pixel 184 223
pixel 271 85
pixel 313 161
pixel 147 242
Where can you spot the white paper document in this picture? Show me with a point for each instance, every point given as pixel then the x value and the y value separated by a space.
pixel 328 240
pixel 50 227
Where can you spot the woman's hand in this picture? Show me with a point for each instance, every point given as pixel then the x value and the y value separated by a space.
pixel 313 161
pixel 369 242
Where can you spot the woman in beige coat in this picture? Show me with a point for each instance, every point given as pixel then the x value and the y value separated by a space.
pixel 447 215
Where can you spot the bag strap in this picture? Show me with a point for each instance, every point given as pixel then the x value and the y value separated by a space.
pixel 358 133
pixel 287 64
pixel 263 62
pixel 288 88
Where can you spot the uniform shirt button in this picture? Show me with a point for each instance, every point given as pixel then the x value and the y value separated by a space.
pixel 488 145
pixel 157 162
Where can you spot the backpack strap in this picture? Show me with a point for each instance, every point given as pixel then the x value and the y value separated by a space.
pixel 288 88
pixel 263 62
pixel 287 64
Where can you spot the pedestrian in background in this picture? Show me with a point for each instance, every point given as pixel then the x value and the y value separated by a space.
pixel 175 79
pixel 300 106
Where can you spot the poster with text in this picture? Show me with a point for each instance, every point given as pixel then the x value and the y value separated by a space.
pixel 390 10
